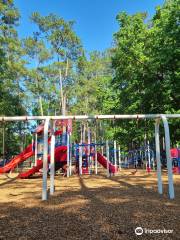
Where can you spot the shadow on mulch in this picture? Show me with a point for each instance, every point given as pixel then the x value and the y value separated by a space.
pixel 89 213
pixel 10 180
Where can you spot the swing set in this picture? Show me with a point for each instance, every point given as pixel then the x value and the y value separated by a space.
pixel 50 152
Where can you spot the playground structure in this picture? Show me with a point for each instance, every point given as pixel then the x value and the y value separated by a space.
pixel 143 157
pixel 85 155
pixel 64 152
pixel 175 155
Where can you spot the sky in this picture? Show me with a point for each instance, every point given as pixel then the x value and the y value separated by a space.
pixel 95 19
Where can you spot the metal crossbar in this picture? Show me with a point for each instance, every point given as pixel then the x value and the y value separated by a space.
pixel 86 117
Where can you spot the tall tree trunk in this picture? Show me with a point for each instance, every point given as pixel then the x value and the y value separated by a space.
pixel 3 142
pixel 67 67
pixel 66 74
pixel 41 107
pixel 61 93
pixel 64 107
pixel 39 96
pixel 84 132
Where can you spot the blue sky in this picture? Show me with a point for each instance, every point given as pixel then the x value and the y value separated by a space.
pixel 95 19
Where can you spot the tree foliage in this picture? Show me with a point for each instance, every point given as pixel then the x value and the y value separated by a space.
pixel 12 72
pixel 146 63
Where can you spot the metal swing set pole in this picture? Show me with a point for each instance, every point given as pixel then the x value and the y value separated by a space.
pixel 68 155
pixel 36 146
pixel 45 160
pixel 95 150
pixel 119 156
pixel 115 155
pixel 107 157
pixel 52 164
pixel 80 152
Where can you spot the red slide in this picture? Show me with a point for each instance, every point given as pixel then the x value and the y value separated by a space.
pixel 60 156
pixel 27 153
pixel 103 161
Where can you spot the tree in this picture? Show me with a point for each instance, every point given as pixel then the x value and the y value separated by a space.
pixel 12 72
pixel 12 66
pixel 92 83
pixel 146 63
pixel 92 92
pixel 39 54
pixel 65 44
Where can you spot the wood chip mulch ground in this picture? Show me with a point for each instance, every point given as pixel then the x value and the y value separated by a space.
pixel 89 208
